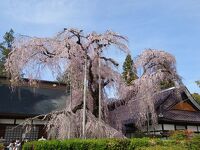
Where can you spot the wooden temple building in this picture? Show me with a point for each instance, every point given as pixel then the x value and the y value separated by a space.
pixel 24 102
pixel 175 112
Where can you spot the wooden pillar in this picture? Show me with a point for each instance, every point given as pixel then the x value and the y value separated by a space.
pixel 2 130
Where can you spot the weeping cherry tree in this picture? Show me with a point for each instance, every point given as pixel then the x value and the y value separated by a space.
pixel 72 50
pixel 158 67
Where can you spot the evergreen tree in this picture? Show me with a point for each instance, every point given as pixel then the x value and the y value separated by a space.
pixel 129 70
pixel 198 83
pixel 166 84
pixel 64 78
pixel 196 96
pixel 5 49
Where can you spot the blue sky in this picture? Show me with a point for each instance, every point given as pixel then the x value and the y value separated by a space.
pixel 173 26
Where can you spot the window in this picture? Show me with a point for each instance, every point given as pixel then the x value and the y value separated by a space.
pixel 12 134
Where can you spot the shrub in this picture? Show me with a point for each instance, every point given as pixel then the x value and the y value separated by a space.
pixel 181 134
pixel 166 84
pixel 139 142
pixel 177 135
pixel 1 146
pixel 79 144
pixel 116 144
pixel 194 143
pixel 159 147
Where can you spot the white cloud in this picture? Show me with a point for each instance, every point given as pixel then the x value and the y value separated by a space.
pixel 41 11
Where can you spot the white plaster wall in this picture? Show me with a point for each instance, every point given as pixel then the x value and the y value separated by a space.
pixel 169 127
pixel 39 122
pixel 158 127
pixel 192 128
pixel 7 121
pixel 180 127
pixel 151 128
pixel 18 121
pixel 199 128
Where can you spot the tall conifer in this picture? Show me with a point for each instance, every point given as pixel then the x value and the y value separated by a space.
pixel 129 70
pixel 5 49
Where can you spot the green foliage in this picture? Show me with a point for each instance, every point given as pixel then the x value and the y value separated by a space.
pixel 89 144
pixel 159 147
pixel 166 84
pixel 118 144
pixel 198 83
pixel 64 78
pixel 129 71
pixel 139 142
pixel 5 49
pixel 115 144
pixel 194 144
pixel 178 135
pixel 2 70
pixel 196 96
pixel 1 146
pixel 79 144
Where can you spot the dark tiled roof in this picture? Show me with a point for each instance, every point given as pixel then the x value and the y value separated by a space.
pixel 25 100
pixel 171 115
pixel 181 116
pixel 164 102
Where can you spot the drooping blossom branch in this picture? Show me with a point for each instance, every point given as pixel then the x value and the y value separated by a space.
pixel 67 51
pixel 140 98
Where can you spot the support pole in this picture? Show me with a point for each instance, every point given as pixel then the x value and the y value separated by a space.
pixel 70 84
pixel 84 97
pixel 148 120
pixel 70 103
pixel 99 87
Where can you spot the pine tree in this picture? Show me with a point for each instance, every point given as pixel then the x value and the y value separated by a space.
pixel 198 83
pixel 129 70
pixel 5 49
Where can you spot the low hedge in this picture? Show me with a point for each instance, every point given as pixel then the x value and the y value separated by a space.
pixel 113 144
pixel 79 144
pixel 1 146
